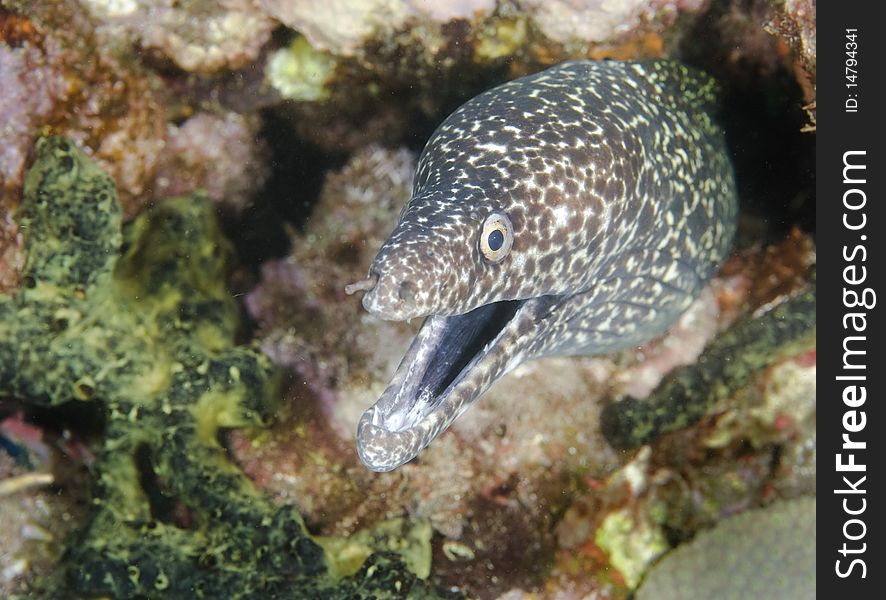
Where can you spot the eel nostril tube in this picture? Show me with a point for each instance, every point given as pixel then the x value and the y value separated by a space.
pixel 362 285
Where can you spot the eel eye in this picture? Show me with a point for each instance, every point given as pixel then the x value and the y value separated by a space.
pixel 496 237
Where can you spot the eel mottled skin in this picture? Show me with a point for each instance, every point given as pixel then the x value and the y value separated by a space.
pixel 579 210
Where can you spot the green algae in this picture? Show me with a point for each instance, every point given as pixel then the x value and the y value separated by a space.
pixel 501 38
pixel 412 541
pixel 725 367
pixel 139 325
pixel 299 72
pixel 632 544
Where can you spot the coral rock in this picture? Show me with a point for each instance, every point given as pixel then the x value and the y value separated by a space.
pixel 201 35
pixel 764 553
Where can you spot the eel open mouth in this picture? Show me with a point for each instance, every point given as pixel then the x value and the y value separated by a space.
pixel 451 361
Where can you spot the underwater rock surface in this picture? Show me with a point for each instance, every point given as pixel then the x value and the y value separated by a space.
pixel 201 35
pixel 347 27
pixel 139 326
pixel 763 553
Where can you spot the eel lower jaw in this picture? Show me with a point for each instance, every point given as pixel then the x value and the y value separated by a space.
pixel 451 362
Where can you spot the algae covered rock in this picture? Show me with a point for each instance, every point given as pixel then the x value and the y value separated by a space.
pixel 138 326
pixel 725 366
pixel 764 553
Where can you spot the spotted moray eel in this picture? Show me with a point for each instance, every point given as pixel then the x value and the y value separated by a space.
pixel 579 210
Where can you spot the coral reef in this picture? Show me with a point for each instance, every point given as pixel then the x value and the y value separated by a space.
pixel 349 27
pixel 755 448
pixel 342 26
pixel 201 35
pixel 140 326
pixel 584 22
pixel 305 320
pixel 763 553
pixel 631 544
pixel 357 55
pixel 58 74
pixel 102 72
pixel 689 481
pixel 32 525
pixel 524 497
pixel 64 73
pixel 298 72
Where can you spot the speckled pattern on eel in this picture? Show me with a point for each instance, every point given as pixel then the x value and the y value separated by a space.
pixel 579 210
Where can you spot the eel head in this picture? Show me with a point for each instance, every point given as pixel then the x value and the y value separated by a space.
pixel 464 267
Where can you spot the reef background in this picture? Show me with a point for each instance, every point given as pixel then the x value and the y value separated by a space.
pixel 298 124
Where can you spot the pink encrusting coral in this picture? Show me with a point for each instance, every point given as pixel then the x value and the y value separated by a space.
pixel 62 79
pixel 200 36
pixel 30 91
pixel 218 153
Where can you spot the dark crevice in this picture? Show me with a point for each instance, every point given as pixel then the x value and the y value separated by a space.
pixel 284 203
pixel 164 508
pixel 762 115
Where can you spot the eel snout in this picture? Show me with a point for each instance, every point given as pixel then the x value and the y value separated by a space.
pixel 392 298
